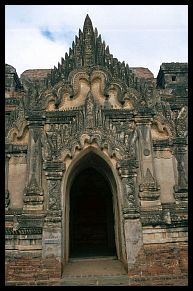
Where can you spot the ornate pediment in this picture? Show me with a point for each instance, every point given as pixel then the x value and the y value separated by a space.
pixel 66 131
pixel 89 50
pixel 90 68
pixel 89 65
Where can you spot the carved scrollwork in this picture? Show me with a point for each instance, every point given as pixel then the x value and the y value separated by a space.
pixel 162 129
pixel 90 120
pixel 100 75
pixel 54 194
pixel 130 206
pixel 16 126
pixel 131 97
pixel 7 199
pixel 163 125
pixel 119 87
pixel 182 177
pixel 129 192
pixel 182 122
pixel 74 78
pixel 46 147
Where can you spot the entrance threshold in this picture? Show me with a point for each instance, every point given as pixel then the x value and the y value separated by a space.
pixel 93 258
pixel 95 266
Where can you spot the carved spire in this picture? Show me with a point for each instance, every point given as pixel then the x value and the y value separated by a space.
pixel 88 43
pixel 87 28
pixel 88 49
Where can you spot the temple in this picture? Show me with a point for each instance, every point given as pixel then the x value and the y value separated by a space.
pixel 95 164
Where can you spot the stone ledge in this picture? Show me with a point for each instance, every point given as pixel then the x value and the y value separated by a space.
pixel 159 229
pixel 12 254
pixel 164 235
pixel 163 241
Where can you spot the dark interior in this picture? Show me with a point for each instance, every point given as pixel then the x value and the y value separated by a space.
pixel 91 216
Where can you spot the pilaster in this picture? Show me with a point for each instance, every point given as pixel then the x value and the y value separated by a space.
pixel 131 216
pixel 7 200
pixel 52 231
pixel 128 173
pixel 181 188
pixel 149 190
pixel 33 194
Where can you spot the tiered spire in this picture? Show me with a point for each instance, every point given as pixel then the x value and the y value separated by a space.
pixel 88 49
pixel 88 43
pixel 87 28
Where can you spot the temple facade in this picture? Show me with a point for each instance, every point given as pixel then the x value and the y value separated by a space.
pixel 95 164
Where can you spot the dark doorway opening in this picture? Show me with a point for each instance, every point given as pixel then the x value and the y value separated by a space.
pixel 91 216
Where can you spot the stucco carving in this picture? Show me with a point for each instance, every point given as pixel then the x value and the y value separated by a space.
pixel 93 100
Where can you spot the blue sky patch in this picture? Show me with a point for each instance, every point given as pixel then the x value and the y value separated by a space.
pixel 48 34
pixel 59 35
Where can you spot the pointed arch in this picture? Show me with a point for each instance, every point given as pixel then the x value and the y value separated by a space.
pixel 94 158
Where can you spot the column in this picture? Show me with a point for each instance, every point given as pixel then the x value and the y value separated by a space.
pixel 128 172
pixel 52 231
pixel 131 216
pixel 148 187
pixel 181 188
pixel 33 194
pixel 7 200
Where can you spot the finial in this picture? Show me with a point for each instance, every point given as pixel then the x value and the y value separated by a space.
pixel 107 49
pixel 96 32
pixel 87 28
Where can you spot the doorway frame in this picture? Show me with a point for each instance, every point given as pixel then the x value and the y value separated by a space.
pixel 86 197
pixel 117 200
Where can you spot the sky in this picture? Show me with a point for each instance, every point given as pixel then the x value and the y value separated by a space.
pixel 37 36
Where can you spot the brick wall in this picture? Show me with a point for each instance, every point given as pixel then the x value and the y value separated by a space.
pixel 31 268
pixel 161 259
pixel 154 260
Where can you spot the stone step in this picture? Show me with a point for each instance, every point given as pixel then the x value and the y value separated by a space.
pixel 95 266
pixel 124 280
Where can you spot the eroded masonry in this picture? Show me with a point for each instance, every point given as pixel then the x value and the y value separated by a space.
pixel 96 164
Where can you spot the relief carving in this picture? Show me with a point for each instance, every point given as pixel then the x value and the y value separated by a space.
pixel 149 187
pixel 90 111
pixel 159 130
pixel 16 127
pixel 54 194
pixel 182 177
pixel 129 192
pixel 74 79
pixel 91 100
pixel 182 122
pixel 33 188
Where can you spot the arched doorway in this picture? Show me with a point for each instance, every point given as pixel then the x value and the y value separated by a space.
pixel 93 159
pixel 91 228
